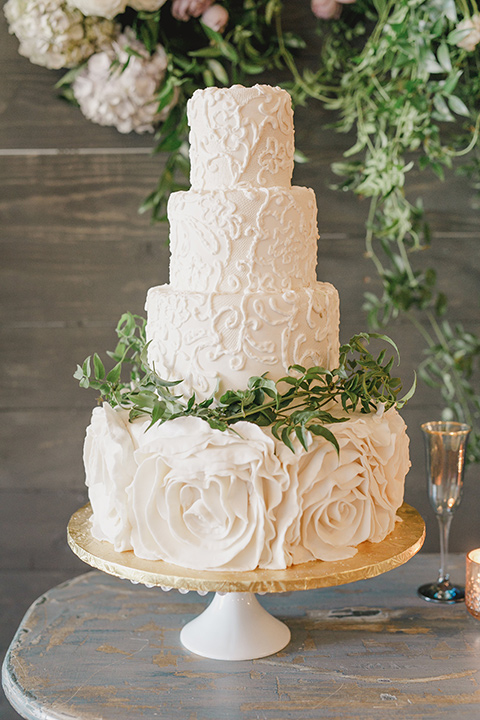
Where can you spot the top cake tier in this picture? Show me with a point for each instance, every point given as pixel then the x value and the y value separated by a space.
pixel 241 136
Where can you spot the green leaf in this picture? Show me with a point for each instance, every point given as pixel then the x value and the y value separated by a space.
pixel 458 106
pixel 86 367
pixel 286 438
pixel 98 367
pixel 114 375
pixel 219 71
pixel 324 432
pixel 443 55
pixel 301 434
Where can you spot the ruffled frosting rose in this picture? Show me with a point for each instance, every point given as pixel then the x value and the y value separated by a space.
pixel 339 501
pixel 206 499
pixel 109 465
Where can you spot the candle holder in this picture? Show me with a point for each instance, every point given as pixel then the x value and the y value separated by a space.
pixel 472 584
pixel 445 446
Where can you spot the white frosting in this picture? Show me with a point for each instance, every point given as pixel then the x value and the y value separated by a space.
pixel 213 339
pixel 240 136
pixel 243 301
pixel 243 240
pixel 207 499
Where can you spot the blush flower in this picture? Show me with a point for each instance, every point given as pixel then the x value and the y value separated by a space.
pixel 328 9
pixel 470 41
pixel 216 18
pixel 185 9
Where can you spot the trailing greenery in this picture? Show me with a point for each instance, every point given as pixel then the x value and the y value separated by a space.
pixel 298 403
pixel 397 77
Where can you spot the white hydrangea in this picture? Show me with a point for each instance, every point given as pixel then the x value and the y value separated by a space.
pixel 122 94
pixel 54 35
pixel 110 8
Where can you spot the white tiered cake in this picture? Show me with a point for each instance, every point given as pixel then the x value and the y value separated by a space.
pixel 243 300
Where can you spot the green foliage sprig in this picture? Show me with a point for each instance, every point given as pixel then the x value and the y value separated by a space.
pixel 298 403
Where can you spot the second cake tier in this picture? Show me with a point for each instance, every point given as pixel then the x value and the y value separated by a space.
pixel 217 341
pixel 250 239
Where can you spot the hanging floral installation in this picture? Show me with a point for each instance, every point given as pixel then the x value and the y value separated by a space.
pixel 403 76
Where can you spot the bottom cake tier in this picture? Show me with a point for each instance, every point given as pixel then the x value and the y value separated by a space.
pixel 237 500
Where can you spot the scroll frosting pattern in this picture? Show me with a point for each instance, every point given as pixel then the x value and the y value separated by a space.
pixel 256 239
pixel 240 136
pixel 211 339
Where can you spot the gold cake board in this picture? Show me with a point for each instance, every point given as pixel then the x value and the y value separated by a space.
pixel 235 626
pixel 371 559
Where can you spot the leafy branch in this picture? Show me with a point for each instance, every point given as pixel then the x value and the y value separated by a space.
pixel 400 80
pixel 299 403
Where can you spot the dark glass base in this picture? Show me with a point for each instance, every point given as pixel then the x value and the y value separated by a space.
pixel 442 592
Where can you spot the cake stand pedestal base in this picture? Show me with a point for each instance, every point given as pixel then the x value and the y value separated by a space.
pixel 235 627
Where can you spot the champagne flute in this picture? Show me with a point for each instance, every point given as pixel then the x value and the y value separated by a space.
pixel 445 446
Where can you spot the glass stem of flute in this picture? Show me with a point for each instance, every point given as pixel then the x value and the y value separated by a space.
pixel 444 522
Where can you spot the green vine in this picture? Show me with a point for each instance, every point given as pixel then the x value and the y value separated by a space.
pixel 298 403
pixel 413 97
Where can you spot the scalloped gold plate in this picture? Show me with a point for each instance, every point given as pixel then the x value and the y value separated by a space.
pixel 371 559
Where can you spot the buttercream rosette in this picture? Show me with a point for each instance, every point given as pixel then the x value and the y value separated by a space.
pixel 337 501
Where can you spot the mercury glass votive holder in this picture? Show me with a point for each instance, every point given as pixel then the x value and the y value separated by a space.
pixel 472 583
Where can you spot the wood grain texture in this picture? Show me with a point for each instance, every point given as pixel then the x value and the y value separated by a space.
pixel 361 651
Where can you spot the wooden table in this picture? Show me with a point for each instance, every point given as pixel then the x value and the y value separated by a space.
pixel 97 648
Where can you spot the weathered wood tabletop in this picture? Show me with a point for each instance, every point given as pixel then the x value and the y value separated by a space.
pixel 99 647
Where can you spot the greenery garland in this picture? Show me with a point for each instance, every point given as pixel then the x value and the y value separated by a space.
pixel 299 403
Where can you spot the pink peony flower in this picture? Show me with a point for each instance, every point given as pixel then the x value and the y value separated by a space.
pixel 328 9
pixel 185 9
pixel 215 17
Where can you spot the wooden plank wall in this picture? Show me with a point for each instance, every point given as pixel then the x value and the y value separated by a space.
pixel 75 254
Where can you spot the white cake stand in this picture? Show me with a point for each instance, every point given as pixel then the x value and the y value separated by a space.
pixel 235 626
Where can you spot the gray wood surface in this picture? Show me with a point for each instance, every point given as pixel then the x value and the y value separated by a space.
pixel 75 254
pixel 98 647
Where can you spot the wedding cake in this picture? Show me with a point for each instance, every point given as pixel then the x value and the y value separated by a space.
pixel 243 300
